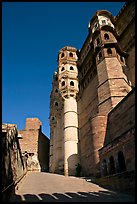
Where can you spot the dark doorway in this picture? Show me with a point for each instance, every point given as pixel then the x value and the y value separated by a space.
pixel 111 165
pixel 121 162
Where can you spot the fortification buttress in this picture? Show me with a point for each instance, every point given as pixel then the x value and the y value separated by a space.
pixel 68 88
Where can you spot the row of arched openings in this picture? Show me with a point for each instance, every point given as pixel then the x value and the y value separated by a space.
pixel 109 52
pixel 63 68
pixel 71 83
pixel 70 54
pixel 111 167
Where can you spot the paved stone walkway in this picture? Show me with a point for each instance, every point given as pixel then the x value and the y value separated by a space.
pixel 47 187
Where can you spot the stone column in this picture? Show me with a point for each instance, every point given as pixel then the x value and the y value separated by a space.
pixel 70 136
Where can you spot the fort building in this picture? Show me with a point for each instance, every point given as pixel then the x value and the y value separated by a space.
pixel 92 102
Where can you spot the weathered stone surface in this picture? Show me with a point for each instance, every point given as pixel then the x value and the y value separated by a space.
pixel 35 145
pixel 106 77
pixel 13 164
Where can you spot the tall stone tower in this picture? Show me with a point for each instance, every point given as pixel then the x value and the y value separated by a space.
pixel 56 128
pixel 93 86
pixel 68 88
pixel 103 84
pixel 113 84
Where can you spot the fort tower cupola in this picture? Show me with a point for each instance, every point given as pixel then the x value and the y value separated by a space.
pixel 67 72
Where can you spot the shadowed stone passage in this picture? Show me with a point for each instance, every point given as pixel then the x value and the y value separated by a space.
pixel 46 187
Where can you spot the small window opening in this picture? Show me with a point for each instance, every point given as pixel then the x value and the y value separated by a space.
pixel 106 36
pixel 103 22
pixel 63 83
pixel 71 83
pixel 56 91
pixel 71 68
pixel 109 51
pixel 56 103
pixel 62 69
pixel 62 55
pixel 70 54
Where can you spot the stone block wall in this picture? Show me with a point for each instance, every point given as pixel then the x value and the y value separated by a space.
pixel 117 156
pixel 13 163
pixel 123 182
pixel 121 118
pixel 35 145
pixel 125 26
pixel 29 140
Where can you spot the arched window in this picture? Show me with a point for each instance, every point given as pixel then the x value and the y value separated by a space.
pixel 71 83
pixel 109 51
pixel 56 91
pixel 103 22
pixel 70 54
pixel 111 165
pixel 121 162
pixel 106 36
pixel 62 68
pixel 63 83
pixel 62 55
pixel 52 118
pixel 71 68
pixel 56 103
pixel 104 168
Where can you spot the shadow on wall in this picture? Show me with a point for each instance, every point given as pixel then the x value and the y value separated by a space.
pixel 7 175
pixel 100 196
pixel 43 152
pixel 13 164
pixel 72 164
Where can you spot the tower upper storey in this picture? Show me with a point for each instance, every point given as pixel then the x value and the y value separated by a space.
pixel 100 19
pixel 67 72
pixel 67 54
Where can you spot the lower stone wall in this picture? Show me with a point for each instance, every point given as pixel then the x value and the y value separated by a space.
pixel 123 182
pixel 13 164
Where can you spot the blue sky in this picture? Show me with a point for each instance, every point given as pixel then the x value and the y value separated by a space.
pixel 32 35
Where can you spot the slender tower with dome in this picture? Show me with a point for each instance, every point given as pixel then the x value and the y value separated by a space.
pixel 67 89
